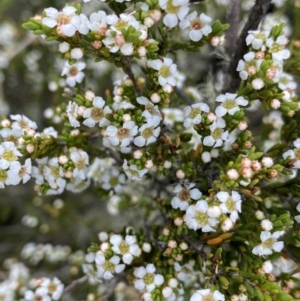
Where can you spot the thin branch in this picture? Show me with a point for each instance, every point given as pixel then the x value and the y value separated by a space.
pixel 127 69
pixel 110 290
pixel 182 95
pixel 75 283
pixel 257 13
pixel 232 18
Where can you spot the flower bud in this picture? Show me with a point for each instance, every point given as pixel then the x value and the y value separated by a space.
pixel 146 247
pixel 257 84
pixel 180 174
pixel 155 98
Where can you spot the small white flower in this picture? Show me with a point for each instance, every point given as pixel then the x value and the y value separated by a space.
pixel 269 243
pixel 267 266
pixel 72 112
pixel 267 162
pixel 97 113
pixel 80 160
pixel 132 172
pixel 206 294
pixel 148 135
pixel 175 9
pixel 106 268
pixel 113 179
pixel 10 176
pixel 74 73
pixel 218 135
pixel 39 294
pixel 147 278
pixel 172 115
pixel 8 154
pixel 54 287
pixel 128 248
pixel 151 112
pixel 277 48
pixel 230 203
pixel 192 114
pixel 285 81
pixel 184 196
pixel 199 25
pixel 249 66
pixel 230 104
pixel 122 136
pixel 257 39
pixel 197 218
pixel 22 123
pixel 166 71
pixel 25 171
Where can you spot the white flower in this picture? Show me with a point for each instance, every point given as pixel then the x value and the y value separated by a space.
pixel 230 104
pixel 192 114
pixel 25 171
pixel 98 21
pixel 39 294
pixel 8 154
pixel 106 268
pixel 172 115
pixel 10 176
pixel 54 287
pixel 113 205
pixel 277 48
pixel 151 112
pixel 127 248
pixel 149 134
pixel 147 278
pixel 74 73
pixel 206 294
pixel 217 136
pixel 80 160
pixel 197 217
pixel 132 172
pixel 257 39
pixel 22 123
pixel 230 203
pixel 63 19
pixel 199 25
pixel 112 179
pixel 166 71
pixel 269 243
pixel 248 67
pixel 72 112
pixel 267 266
pixel 184 196
pixel 97 113
pixel 77 185
pixel 285 81
pixel 122 136
pixel 175 9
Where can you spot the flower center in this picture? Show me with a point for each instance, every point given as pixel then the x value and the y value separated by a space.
pixel 172 9
pixel 229 104
pixel 22 171
pixel 196 24
pixel 230 204
pixel 297 153
pixel 55 172
pixel 184 195
pixel 109 266
pixel 9 156
pixel 267 244
pixel 164 71
pixel 208 298
pixel 147 133
pixel 80 164
pixel 124 247
pixel 121 24
pixel 284 80
pixel 3 175
pixel 123 133
pixel 97 114
pixel 52 287
pixel 275 48
pixel 201 218
pixel 38 298
pixel 260 36
pixel 216 134
pixel 63 19
pixel 194 113
pixel 73 71
pixel 114 181
pixel 148 279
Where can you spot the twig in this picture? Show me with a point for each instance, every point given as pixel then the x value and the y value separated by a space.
pixel 75 283
pixel 257 13
pixel 128 71
pixel 111 288
pixel 232 18
pixel 182 95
